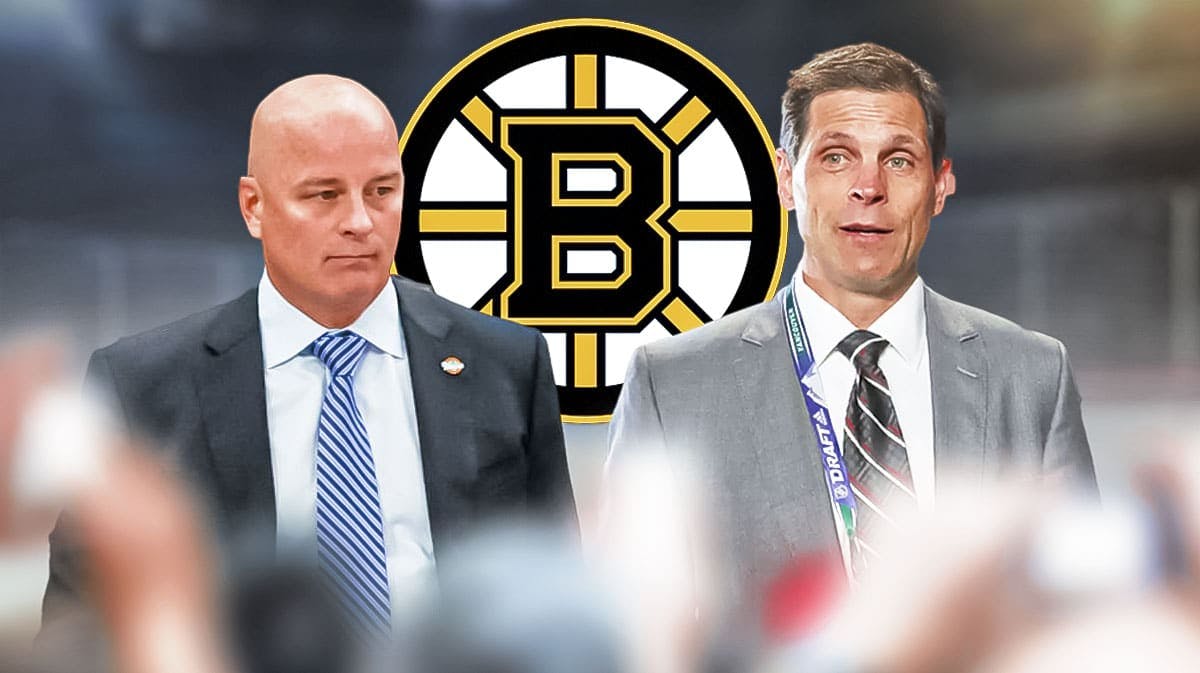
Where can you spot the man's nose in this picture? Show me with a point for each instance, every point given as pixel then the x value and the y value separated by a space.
pixel 868 188
pixel 358 220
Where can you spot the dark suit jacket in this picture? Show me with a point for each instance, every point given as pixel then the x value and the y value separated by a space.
pixel 491 437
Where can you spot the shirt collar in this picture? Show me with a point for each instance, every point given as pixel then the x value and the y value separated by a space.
pixel 287 331
pixel 902 325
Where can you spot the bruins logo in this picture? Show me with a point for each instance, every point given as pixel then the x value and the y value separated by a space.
pixel 599 181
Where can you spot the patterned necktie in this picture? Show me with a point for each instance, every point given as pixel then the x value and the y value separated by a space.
pixel 873 447
pixel 349 522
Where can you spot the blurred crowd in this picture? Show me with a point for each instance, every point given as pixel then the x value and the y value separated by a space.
pixel 1040 581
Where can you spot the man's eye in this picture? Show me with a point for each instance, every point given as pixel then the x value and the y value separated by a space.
pixel 899 162
pixel 384 191
pixel 834 159
pixel 326 195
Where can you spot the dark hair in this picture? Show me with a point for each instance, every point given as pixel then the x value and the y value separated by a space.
pixel 861 66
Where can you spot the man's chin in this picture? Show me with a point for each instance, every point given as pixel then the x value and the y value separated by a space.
pixel 878 284
pixel 355 287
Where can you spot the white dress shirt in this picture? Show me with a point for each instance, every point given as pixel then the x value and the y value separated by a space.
pixel 905 363
pixel 295 388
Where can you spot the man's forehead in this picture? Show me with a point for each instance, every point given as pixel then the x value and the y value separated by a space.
pixel 362 158
pixel 316 177
pixel 882 133
pixel 847 113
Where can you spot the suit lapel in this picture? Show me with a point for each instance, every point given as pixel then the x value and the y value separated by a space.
pixel 791 479
pixel 232 398
pixel 958 370
pixel 438 398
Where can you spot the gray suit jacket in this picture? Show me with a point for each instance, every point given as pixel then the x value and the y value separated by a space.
pixel 724 401
pixel 491 438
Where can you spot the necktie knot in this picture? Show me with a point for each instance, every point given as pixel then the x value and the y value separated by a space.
pixel 340 351
pixel 863 348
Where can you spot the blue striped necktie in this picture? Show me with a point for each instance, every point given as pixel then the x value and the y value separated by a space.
pixel 349 522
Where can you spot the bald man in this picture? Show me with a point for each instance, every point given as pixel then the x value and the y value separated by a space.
pixel 335 411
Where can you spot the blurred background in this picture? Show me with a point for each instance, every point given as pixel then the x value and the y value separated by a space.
pixel 1074 127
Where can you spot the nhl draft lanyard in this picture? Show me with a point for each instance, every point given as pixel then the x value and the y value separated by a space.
pixel 836 480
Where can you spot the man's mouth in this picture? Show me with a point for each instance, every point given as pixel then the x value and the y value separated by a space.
pixel 862 228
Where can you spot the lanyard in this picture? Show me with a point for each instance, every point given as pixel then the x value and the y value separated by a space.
pixel 844 505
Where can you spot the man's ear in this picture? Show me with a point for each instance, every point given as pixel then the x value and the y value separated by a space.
pixel 943 185
pixel 783 173
pixel 250 203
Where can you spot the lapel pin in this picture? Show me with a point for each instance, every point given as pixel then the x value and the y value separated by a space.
pixel 453 366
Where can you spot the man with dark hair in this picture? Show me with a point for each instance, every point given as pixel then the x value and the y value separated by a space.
pixel 818 420
pixel 869 67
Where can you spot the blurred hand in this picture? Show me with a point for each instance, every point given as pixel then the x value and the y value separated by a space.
pixel 1154 629
pixel 942 600
pixel 26 369
pixel 149 565
pixel 151 569
pixel 956 593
